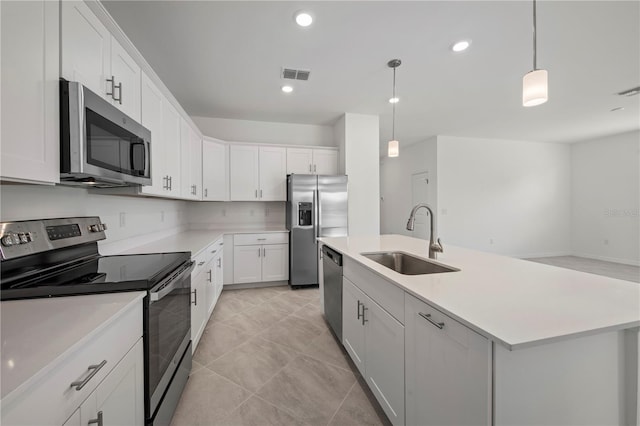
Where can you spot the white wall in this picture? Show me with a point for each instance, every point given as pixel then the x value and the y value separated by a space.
pixel 605 180
pixel 237 214
pixel 502 196
pixel 265 132
pixel 362 165
pixel 142 216
pixel 395 185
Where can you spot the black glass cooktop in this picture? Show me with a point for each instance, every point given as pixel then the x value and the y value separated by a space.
pixel 94 275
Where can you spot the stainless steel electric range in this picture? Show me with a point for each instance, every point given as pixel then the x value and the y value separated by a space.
pixel 59 257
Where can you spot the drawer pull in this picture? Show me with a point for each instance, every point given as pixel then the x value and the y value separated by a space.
pixel 213 251
pixel 97 420
pixel 262 239
pixel 201 263
pixel 440 325
pixel 195 296
pixel 94 369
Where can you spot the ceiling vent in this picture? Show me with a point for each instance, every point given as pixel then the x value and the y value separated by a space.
pixel 293 74
pixel 630 92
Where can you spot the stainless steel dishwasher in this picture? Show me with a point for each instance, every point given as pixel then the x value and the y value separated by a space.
pixel 332 272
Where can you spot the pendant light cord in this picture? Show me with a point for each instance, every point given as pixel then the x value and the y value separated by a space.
pixel 535 50
pixel 393 126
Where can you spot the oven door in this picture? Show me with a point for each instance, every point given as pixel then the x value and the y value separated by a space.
pixel 168 331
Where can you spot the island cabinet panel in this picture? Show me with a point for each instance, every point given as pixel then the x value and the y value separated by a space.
pixel 579 381
pixel 375 342
pixel 447 371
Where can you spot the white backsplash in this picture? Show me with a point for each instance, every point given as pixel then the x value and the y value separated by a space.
pixel 238 214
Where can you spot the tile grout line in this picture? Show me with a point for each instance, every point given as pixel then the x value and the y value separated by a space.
pixel 342 402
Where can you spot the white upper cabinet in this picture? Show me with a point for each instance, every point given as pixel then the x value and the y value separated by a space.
pixel 312 161
pixel 151 118
pixel 125 73
pixel 191 162
pixel 243 173
pixel 171 129
pixel 215 175
pixel 93 57
pixel 273 174
pixel 29 77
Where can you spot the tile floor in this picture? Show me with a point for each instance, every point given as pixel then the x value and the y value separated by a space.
pixel 267 357
pixel 593 266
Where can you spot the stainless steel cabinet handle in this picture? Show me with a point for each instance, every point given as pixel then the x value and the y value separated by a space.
pixel 201 263
pixel 256 193
pixel 119 87
pixel 309 168
pixel 170 183
pixel 111 80
pixel 261 239
pixel 259 251
pixel 195 296
pixel 195 189
pixel 206 192
pixel 94 369
pixel 359 303
pixel 97 420
pixel 264 252
pixel 364 308
pixel 314 168
pixel 210 276
pixel 440 325
pixel 213 251
pixel 261 193
pixel 219 262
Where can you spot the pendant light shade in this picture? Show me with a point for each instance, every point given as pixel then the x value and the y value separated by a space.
pixel 535 82
pixel 394 145
pixel 394 149
pixel 534 88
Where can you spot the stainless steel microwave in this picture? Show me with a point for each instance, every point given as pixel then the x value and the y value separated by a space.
pixel 100 146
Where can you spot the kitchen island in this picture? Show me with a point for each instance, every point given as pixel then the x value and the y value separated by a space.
pixel 501 341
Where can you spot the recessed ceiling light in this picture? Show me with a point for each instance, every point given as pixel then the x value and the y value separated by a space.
pixel 461 46
pixel 287 89
pixel 394 100
pixel 303 19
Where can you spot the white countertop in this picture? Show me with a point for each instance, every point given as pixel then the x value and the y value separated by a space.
pixel 514 302
pixel 37 332
pixel 195 240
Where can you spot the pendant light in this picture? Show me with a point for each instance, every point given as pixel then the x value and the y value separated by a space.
pixel 534 83
pixel 394 145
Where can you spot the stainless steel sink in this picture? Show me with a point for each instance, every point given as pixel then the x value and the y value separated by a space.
pixel 407 264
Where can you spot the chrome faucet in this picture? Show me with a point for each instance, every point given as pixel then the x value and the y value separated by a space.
pixel 434 247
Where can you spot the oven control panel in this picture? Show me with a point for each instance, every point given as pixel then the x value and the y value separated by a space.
pixel 22 238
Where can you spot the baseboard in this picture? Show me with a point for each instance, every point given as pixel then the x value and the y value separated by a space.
pixel 608 259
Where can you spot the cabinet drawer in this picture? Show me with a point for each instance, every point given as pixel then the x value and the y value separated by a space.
pixel 385 294
pixel 205 256
pixel 266 238
pixel 52 399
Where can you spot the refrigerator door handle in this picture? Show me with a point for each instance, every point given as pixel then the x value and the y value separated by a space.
pixel 319 209
pixel 315 215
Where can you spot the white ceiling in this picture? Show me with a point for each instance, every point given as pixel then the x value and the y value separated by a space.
pixel 223 59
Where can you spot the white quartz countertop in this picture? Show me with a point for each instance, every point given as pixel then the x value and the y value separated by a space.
pixel 195 240
pixel 511 301
pixel 37 332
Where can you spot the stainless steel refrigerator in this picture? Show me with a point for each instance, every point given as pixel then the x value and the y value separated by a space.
pixel 316 207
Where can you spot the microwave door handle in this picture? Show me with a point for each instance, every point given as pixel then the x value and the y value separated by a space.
pixel 167 286
pixel 132 164
pixel 147 158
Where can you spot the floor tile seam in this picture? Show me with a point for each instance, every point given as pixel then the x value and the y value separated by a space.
pixel 278 372
pixel 324 361
pixel 251 393
pixel 304 319
pixel 286 410
pixel 342 402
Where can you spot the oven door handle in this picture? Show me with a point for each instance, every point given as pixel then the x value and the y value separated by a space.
pixel 168 285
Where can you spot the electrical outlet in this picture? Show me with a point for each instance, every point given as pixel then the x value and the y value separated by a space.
pixel 123 219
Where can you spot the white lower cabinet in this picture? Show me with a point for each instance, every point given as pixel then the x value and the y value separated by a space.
pixel 375 342
pixel 119 399
pixel 260 257
pixel 206 286
pixel 448 369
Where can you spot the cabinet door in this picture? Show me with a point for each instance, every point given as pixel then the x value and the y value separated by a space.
pixel 173 150
pixel 215 160
pixel 447 371
pixel 119 399
pixel 299 160
pixel 243 173
pixel 247 264
pixel 384 348
pixel 195 151
pixel 126 73
pixel 186 186
pixel 325 162
pixel 30 86
pixel 120 396
pixel 85 48
pixel 275 262
pixel 198 305
pixel 273 174
pixel 352 324
pixel 151 118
